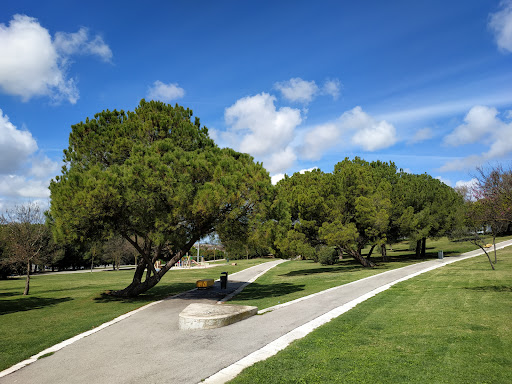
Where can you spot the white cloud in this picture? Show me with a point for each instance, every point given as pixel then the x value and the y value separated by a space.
pixel 303 171
pixel 467 183
pixel 445 109
pixel 279 176
pixel 501 24
pixel 483 125
pixel 43 167
pixel 280 160
pixel 276 178
pixel 443 180
pixel 479 122
pixel 68 44
pixel 370 134
pixel 319 139
pixel 19 186
pixel 257 127
pixel 23 173
pixel 421 135
pixel 467 188
pixel 31 64
pixel 502 143
pixel 354 126
pixel 297 90
pixel 268 133
pixel 332 87
pixel 15 146
pixel 465 163
pixel 165 92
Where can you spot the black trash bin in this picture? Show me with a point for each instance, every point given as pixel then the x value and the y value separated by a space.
pixel 223 280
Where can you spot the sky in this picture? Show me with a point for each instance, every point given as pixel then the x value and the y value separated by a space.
pixel 297 84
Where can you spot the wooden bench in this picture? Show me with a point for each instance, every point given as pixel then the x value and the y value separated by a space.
pixel 204 283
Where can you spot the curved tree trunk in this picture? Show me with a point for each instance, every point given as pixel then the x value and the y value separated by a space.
pixel 360 259
pixel 371 251
pixel 488 257
pixel 146 263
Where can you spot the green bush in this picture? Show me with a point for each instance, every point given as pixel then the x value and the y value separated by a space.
pixel 327 256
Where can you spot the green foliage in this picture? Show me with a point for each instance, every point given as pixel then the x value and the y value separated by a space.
pixel 327 255
pixel 364 203
pixel 307 195
pixel 425 207
pixel 294 245
pixel 154 178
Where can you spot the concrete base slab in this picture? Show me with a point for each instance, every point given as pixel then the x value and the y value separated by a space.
pixel 208 316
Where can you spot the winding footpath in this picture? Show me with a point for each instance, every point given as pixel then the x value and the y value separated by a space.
pixel 146 346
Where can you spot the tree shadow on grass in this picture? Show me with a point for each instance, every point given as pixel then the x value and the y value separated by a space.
pixel 492 288
pixel 314 271
pixel 156 293
pixel 29 303
pixel 257 291
pixel 8 294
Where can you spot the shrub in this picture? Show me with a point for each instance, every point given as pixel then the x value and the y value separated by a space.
pixel 327 256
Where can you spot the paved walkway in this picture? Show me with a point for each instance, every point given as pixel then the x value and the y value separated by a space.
pixel 147 347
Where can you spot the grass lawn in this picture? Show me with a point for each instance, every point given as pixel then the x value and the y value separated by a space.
pixel 295 279
pixel 64 305
pixel 450 325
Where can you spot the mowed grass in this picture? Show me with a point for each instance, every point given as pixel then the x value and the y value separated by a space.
pixel 450 325
pixel 298 278
pixel 295 279
pixel 64 305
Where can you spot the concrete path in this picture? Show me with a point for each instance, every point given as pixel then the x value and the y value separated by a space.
pixel 148 347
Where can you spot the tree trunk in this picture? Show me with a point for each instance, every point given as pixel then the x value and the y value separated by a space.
pixel 384 252
pixel 359 258
pixel 423 246
pixel 494 244
pixel 136 287
pixel 371 251
pixel 418 248
pixel 27 282
pixel 488 257
pixel 368 257
pixel 340 252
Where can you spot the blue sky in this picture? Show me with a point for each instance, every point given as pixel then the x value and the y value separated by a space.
pixel 426 84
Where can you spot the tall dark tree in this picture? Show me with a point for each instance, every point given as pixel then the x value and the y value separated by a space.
pixel 154 177
pixel 424 207
pixel 360 209
pixel 307 196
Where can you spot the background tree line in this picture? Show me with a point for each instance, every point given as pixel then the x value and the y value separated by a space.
pixel 359 204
